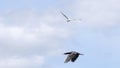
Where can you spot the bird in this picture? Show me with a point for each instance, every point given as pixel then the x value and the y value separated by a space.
pixel 72 56
pixel 68 19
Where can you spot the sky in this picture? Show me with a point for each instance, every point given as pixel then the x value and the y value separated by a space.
pixel 34 34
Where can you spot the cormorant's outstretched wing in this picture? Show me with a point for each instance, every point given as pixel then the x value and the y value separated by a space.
pixel 64 15
pixel 75 56
pixel 68 59
pixel 67 53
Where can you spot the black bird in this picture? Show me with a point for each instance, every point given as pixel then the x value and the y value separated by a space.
pixel 73 55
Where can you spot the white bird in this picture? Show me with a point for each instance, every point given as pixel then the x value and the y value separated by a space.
pixel 72 56
pixel 68 19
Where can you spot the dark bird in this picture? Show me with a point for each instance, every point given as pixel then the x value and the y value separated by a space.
pixel 68 19
pixel 72 56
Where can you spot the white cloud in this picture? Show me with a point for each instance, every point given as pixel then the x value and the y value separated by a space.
pixel 20 62
pixel 27 32
pixel 95 13
pixel 15 33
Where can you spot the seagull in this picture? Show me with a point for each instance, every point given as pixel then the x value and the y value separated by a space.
pixel 72 56
pixel 68 19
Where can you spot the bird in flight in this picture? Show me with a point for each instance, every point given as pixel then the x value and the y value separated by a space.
pixel 72 56
pixel 68 19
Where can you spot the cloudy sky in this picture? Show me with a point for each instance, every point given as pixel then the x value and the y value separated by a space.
pixel 33 33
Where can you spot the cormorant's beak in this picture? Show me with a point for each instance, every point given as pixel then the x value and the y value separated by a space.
pixel 81 54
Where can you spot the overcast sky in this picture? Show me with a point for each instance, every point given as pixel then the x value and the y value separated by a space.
pixel 33 33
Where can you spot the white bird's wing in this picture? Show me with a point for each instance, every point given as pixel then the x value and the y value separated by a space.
pixel 64 15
